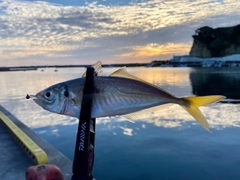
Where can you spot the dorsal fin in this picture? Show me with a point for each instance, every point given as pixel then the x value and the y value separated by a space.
pixel 123 73
pixel 97 68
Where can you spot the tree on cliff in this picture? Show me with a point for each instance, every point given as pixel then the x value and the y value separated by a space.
pixel 219 40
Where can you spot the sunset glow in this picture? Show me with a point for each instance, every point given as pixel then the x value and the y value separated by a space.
pixel 83 32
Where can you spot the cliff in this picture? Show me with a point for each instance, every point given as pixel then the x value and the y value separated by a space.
pixel 219 42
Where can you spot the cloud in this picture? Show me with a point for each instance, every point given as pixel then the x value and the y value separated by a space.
pixel 155 50
pixel 29 29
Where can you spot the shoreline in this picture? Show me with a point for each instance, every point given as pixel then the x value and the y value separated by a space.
pixel 156 63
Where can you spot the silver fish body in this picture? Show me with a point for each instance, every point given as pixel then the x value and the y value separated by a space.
pixel 119 94
pixel 112 96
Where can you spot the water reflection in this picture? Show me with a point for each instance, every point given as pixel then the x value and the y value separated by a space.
pixel 162 76
pixel 15 85
pixel 216 81
pixel 164 151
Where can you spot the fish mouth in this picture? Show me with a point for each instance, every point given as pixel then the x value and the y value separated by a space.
pixel 35 99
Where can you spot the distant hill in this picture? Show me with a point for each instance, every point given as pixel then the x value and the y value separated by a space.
pixel 219 42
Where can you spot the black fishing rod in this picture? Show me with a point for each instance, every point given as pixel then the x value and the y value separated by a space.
pixel 84 148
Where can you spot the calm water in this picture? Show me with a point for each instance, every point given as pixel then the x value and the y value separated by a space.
pixel 166 144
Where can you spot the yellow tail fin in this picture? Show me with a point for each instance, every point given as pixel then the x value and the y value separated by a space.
pixel 195 102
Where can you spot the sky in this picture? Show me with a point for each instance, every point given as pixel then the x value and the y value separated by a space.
pixel 61 32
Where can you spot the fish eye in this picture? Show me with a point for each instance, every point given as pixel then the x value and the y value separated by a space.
pixel 48 94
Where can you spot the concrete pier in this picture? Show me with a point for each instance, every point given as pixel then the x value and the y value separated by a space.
pixel 14 160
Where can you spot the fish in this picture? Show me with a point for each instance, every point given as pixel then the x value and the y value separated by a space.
pixel 119 94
